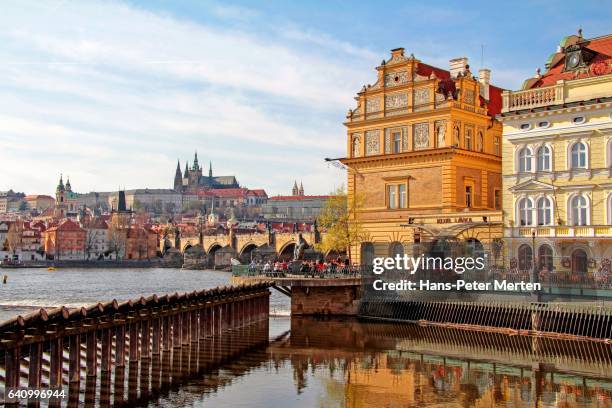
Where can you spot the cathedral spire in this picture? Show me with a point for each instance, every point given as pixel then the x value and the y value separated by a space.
pixel 195 161
pixel 186 174
pixel 210 169
pixel 178 169
pixel 178 176
pixel 68 186
pixel 294 190
pixel 301 190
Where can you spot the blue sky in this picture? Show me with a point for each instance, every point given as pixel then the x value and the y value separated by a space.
pixel 112 93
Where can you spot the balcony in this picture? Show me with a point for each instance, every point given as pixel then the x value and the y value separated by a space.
pixel 595 231
pixel 563 92
pixel 533 98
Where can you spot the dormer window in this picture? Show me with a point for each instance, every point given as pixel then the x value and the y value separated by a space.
pixel 576 57
pixel 578 120
pixel 525 126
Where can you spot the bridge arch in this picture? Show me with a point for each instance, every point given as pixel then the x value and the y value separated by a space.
pixel 286 251
pixel 246 251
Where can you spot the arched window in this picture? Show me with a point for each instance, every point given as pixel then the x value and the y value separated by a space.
pixel 579 156
pixel 545 258
pixel 468 138
pixel 579 261
pixel 525 209
pixel 356 149
pixel 396 248
pixel 579 210
pixel 609 153
pixel 544 162
pixel 525 258
pixel 544 211
pixel 525 157
pixel 367 253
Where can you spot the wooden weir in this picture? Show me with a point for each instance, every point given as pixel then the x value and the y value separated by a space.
pixel 46 349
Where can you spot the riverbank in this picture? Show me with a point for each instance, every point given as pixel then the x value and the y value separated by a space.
pixel 122 263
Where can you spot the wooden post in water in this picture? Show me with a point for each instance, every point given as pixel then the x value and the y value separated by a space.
pixel 185 321
pixel 176 330
pixel 156 329
pixel 145 340
pixel 56 357
pixel 91 353
pixel 34 372
pixel 105 357
pixel 166 333
pixel 133 336
pixel 74 352
pixel 120 346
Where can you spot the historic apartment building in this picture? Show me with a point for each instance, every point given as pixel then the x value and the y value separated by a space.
pixel 424 152
pixel 557 167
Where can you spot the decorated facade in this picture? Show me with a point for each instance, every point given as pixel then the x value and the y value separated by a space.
pixel 557 167
pixel 424 152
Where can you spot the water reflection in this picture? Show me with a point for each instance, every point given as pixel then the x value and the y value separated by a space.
pixel 346 363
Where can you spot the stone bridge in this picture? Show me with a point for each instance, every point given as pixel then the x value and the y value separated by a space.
pixel 220 248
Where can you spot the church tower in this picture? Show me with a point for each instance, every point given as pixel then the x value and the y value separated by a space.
pixel 295 191
pixel 178 177
pixel 60 199
pixel 301 190
pixel 195 173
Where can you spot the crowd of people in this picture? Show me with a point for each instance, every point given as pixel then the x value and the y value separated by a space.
pixel 318 268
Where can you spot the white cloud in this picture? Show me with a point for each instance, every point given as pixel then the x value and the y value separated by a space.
pixel 112 95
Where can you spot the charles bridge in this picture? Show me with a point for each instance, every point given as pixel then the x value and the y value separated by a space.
pixel 217 250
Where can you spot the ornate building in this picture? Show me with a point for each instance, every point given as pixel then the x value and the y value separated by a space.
pixel 66 201
pixel 424 151
pixel 192 178
pixel 557 165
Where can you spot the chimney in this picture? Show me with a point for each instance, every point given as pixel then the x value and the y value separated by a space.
pixel 458 66
pixel 484 77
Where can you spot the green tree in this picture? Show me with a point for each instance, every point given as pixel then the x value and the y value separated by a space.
pixel 338 218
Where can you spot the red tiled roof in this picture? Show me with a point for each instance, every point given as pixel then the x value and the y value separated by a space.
pixel 229 192
pixel 258 193
pixel 426 70
pixel 297 197
pixel 599 65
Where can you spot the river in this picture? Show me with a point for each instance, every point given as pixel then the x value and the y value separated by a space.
pixel 311 362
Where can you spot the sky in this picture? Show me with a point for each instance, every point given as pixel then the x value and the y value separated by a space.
pixel 112 93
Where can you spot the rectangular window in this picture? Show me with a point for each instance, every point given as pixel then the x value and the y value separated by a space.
pixel 397 142
pixel 496 147
pixel 403 198
pixel 391 194
pixel 468 196
pixel 497 199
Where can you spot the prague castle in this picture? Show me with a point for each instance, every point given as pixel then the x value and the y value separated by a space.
pixel 557 171
pixel 424 151
pixel 192 179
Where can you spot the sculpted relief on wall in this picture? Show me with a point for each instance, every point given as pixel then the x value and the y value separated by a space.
pixel 372 142
pixel 420 136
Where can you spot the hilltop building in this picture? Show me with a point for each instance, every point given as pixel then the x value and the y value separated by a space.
pixel 557 167
pixel 192 178
pixel 294 207
pixel 424 151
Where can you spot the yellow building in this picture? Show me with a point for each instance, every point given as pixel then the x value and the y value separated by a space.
pixel 424 151
pixel 557 161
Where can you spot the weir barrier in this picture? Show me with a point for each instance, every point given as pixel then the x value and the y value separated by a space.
pixel 61 348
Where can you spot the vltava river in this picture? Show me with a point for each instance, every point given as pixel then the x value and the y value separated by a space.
pixel 309 362
pixel 28 289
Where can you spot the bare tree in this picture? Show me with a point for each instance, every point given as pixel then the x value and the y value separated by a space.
pixel 13 237
pixel 90 241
